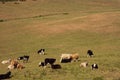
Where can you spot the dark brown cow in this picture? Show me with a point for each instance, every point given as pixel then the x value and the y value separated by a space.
pixel 5 76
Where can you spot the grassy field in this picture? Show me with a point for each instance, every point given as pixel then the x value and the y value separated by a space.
pixel 62 26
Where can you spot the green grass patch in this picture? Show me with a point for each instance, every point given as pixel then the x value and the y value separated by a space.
pixel 64 26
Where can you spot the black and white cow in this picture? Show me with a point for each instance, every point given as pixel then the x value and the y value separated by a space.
pixel 25 58
pixel 94 66
pixel 41 51
pixel 41 64
pixel 90 53
pixel 5 76
pixel 50 61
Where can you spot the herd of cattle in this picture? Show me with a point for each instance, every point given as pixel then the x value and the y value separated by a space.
pixel 65 58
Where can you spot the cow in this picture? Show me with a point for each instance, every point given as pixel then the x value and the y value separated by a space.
pixel 84 64
pixel 65 58
pixel 14 63
pixel 94 66
pixel 41 51
pixel 20 66
pixel 6 61
pixel 41 64
pixel 25 58
pixel 10 67
pixel 56 66
pixel 5 76
pixel 50 61
pixel 69 57
pixel 75 57
pixel 90 53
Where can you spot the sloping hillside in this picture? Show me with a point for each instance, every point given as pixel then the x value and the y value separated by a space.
pixel 61 26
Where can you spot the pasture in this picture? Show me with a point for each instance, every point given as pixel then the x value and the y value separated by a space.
pixel 61 26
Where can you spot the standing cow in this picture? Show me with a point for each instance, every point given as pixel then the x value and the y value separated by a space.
pixel 69 57
pixel 50 61
pixel 75 57
pixel 65 58
pixel 90 53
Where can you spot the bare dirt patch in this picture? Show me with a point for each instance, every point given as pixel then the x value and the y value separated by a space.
pixel 107 22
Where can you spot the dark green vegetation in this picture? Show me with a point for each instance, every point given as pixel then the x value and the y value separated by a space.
pixel 62 26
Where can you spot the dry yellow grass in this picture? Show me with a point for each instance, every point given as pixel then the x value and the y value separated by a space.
pixel 89 24
pixel 100 23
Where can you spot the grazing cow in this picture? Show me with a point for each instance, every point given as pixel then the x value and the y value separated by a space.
pixel 56 66
pixel 84 64
pixel 90 53
pixel 41 51
pixel 49 61
pixel 6 61
pixel 5 76
pixel 25 58
pixel 11 67
pixel 69 57
pixel 65 58
pixel 94 66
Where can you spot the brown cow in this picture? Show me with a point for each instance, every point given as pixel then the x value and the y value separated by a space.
pixel 75 57
pixel 20 66
pixel 14 62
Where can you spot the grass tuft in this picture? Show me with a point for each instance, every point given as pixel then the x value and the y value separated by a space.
pixel 98 78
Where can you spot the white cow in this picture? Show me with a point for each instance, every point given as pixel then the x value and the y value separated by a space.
pixel 94 66
pixel 69 57
pixel 6 61
pixel 65 57
pixel 84 64
pixel 11 66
